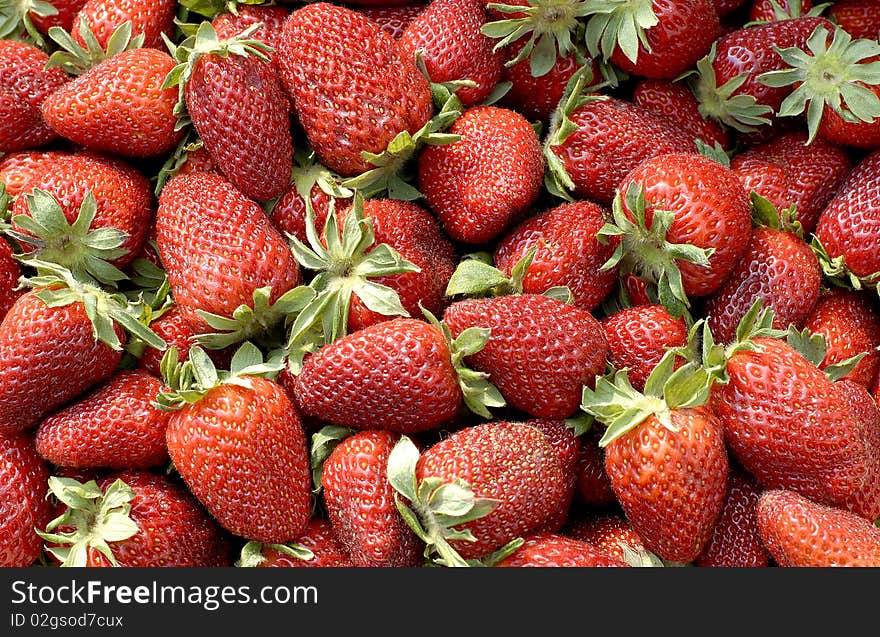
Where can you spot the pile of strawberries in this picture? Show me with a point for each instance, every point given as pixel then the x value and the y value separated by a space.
pixel 547 283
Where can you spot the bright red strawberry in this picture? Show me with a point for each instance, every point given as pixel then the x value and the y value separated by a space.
pixel 66 12
pixel 567 444
pixel 119 106
pixel 540 353
pixel 393 19
pixel 360 503
pixel 764 11
pixel 454 47
pixel 324 47
pixel 736 542
pixel 639 336
pixel 25 85
pixel 9 275
pixel 850 325
pixel 179 327
pixel 546 550
pixel 271 19
pixel 798 532
pixel 116 426
pixel 676 103
pixel 19 168
pixel 317 538
pixel 859 18
pixel 481 184
pixel 134 519
pixel 608 532
pixel 568 252
pixel 151 18
pixel 866 501
pixel 537 97
pixel 592 484
pixel 24 506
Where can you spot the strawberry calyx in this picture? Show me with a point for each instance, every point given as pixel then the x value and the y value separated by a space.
pixel 764 213
pixel 308 172
pixel 324 441
pixel 645 251
pixel 836 271
pixel 189 143
pixel 96 518
pixel 715 152
pixel 16 21
pixel 188 382
pixel 76 59
pixel 433 508
pixel 813 347
pixel 834 75
pixel 619 24
pixel 86 252
pixel 212 8
pixel 552 26
pixel 252 553
pixel 793 9
pixel 740 111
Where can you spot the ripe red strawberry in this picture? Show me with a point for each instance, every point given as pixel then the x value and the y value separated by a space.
pixel 360 503
pixel 859 18
pixel 567 444
pixel 271 19
pixel 726 7
pixel 393 19
pixel 218 246
pixel 481 184
pixel 540 353
pixel 179 328
pixel 119 106
pixel 324 47
pixel 318 539
pixel 789 172
pixel 546 550
pixel 676 103
pixel 537 97
pixel 610 533
pixel 19 168
pixel 240 445
pixel 454 47
pixel 764 11
pixel 25 85
pixel 639 336
pixel 116 426
pixel 736 542
pixel 850 325
pixel 24 505
pixel 798 532
pixel 568 252
pixel 9 275
pixel 134 519
pixel 866 501
pixel 152 18
pixel 592 484
pixel 66 12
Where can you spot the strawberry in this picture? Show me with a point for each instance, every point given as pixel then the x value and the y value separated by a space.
pixel 393 19
pixel 540 351
pixel 568 252
pixel 610 533
pixel 238 443
pixel 151 18
pixel 537 97
pixel 481 184
pixel 798 532
pixel 23 475
pixel 659 443
pixel 773 10
pixel 454 48
pixel 317 539
pixel 676 103
pixel 789 172
pixel 115 426
pixel 135 519
pixel 9 275
pixel 859 18
pixel 566 441
pixel 866 501
pixel 19 168
pixel 726 7
pixel 181 328
pixel 592 485
pixel 546 550
pixel 777 267
pixel 270 18
pixel 26 84
pixel 360 503
pixel 638 338
pixel 850 325
pixel 119 106
pixel 736 542
pixel 66 13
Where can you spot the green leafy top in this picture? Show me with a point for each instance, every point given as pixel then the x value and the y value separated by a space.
pixel 252 553
pixel 212 8
pixel 16 20
pixel 836 271
pixel 813 347
pixel 834 75
pixel 552 26
pixel 619 24
pixel 76 59
pixel 764 213
pixel 189 143
pixel 324 441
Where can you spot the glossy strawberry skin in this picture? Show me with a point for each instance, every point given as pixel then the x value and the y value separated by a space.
pixel 850 324
pixel 568 446
pixel 677 104
pixel 787 171
pixel 785 424
pixel 850 224
pixel 152 18
pixel 835 129
pixel 25 85
pixel 239 110
pixel 866 501
pixel 859 18
pixel 19 168
pixel 118 106
pixel 393 19
pixel 510 462
pixel 568 254
pixel 360 503
pixel 396 375
pixel 777 267
pixel 116 426
pixel 486 181
pixel 23 506
pixel 614 136
pixel 537 97
pixel 540 354
pixel 455 48
pixel 762 10
pixel 671 485
pixel 638 337
pixel 318 538
pixel 592 485
pixel 242 453
pixel 735 541
pixel 218 246
pixel 9 274
pixel 608 532
pixel 48 356
pixel 711 211
pixel 798 532
pixel 547 550
pixel 324 47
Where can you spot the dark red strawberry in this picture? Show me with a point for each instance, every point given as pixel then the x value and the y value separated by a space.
pixel 9 275
pixel 866 501
pixel 765 11
pixel 66 12
pixel 393 19
pixel 318 539
pixel 151 18
pixel 546 550
pixel 608 532
pixel 481 184
pixel 567 444
pixel 798 532
pixel 24 506
pixel 593 486
pixel 116 426
pixel 859 18
pixel 537 97
pixel 726 7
